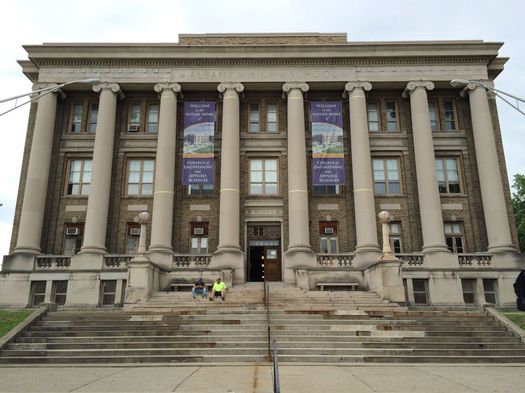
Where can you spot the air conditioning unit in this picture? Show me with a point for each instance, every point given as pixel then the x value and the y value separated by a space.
pixel 133 128
pixel 72 231
pixel 329 231
pixel 134 231
pixel 198 231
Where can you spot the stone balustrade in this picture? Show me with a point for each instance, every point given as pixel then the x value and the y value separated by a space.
pixel 191 261
pixel 475 260
pixel 116 261
pixel 43 262
pixel 335 260
pixel 412 259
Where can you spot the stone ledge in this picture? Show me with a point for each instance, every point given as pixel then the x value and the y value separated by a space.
pixel 506 322
pixel 17 330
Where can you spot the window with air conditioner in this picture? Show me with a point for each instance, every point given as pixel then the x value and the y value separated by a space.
pixel 72 239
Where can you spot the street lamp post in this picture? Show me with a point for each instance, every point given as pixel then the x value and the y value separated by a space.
pixel 499 93
pixel 44 91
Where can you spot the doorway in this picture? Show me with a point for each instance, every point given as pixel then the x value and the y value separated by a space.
pixel 264 248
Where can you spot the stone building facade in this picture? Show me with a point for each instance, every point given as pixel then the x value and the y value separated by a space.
pixel 97 156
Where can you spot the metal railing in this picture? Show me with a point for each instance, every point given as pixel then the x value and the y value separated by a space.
pixel 276 384
pixel 272 347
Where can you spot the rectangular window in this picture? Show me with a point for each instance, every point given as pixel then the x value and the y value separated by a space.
pixel 76 118
pixel 79 177
pixel 38 292
pixel 153 118
pixel 93 116
pixel 450 115
pixel 134 118
pixel 254 118
pixel 200 189
pixel 420 288
pixel 454 237
pixel 469 290
pixel 391 116
pixel 199 238
pixel 386 176
pixel 140 177
pixel 263 177
pixel 73 234
pixel 373 117
pixel 489 287
pixel 434 118
pixel 132 238
pixel 328 237
pixel 271 117
pixel 327 190
pixel 108 289
pixel 59 292
pixel 395 238
pixel 448 175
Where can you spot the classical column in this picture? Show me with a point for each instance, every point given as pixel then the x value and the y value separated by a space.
pixel 365 218
pixel 162 220
pixel 35 193
pixel 491 185
pixel 427 184
pixel 298 225
pixel 229 215
pixel 99 191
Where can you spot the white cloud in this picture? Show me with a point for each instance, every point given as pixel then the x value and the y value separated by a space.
pixel 34 22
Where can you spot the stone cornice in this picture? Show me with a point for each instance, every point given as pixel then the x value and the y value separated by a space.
pixel 352 61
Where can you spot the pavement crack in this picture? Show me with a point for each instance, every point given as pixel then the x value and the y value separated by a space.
pixel 185 379
pixel 98 379
pixel 255 379
pixel 344 368
pixel 448 379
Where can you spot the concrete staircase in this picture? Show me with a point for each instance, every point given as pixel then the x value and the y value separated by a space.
pixel 310 326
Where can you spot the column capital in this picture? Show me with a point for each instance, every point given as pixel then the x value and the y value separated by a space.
pixel 413 85
pixel 43 85
pixel 473 85
pixel 289 86
pixel 160 87
pixel 235 86
pixel 352 85
pixel 113 87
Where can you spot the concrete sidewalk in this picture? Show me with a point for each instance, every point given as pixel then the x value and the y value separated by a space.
pixel 258 379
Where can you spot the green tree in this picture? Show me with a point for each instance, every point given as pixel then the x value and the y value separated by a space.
pixel 518 204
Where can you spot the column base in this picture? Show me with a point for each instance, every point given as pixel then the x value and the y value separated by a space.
pixel 26 250
pixel 89 249
pixel 296 257
pixel 503 249
pixel 230 258
pixel 161 257
pixel 435 248
pixel 366 256
pixel 508 259
pixel 87 261
pixel 440 259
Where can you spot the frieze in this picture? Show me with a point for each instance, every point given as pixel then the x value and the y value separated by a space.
pixel 260 73
pixel 264 212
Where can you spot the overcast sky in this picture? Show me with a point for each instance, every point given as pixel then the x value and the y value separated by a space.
pixel 36 21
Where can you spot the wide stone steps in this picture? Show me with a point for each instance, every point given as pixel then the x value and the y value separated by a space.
pixel 324 327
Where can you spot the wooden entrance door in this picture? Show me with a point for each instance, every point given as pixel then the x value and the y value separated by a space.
pixel 264 245
pixel 272 263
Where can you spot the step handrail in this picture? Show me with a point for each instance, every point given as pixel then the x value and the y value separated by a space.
pixel 276 383
pixel 267 306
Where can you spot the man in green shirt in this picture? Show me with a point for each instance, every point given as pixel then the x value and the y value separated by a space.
pixel 218 289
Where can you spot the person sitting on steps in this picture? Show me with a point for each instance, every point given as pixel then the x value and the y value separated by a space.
pixel 199 288
pixel 219 288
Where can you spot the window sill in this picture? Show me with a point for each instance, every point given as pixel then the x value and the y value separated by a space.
pixel 84 135
pixel 387 135
pixel 67 196
pixel 263 135
pixel 449 134
pixel 458 195
pixel 390 195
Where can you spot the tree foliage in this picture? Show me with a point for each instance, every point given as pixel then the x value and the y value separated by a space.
pixel 518 204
